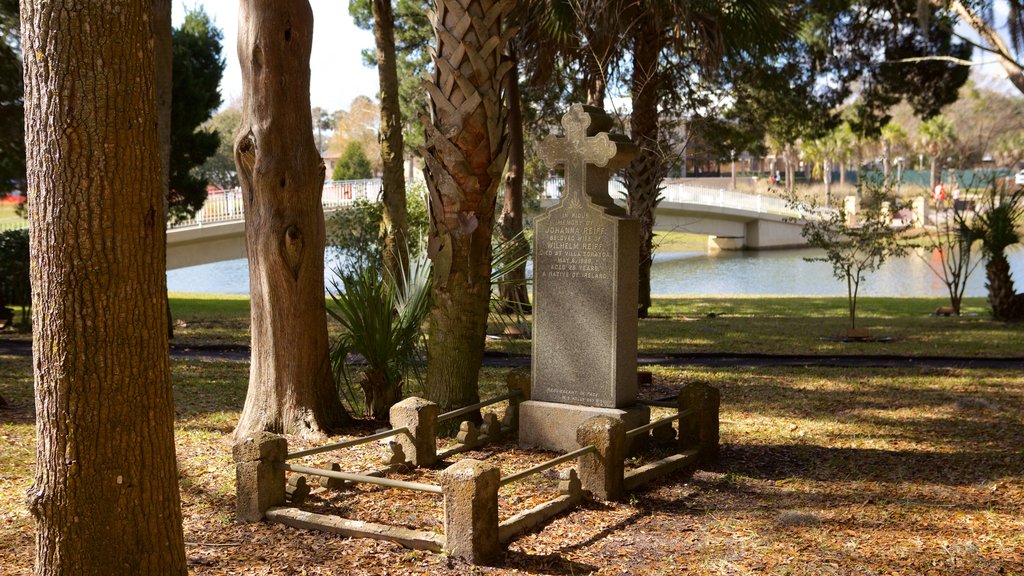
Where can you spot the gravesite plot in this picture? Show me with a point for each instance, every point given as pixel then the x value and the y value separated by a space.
pixel 581 383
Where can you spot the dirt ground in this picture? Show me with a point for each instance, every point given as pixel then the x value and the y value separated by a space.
pixel 823 470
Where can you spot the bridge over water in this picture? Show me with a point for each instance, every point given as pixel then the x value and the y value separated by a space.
pixel 733 219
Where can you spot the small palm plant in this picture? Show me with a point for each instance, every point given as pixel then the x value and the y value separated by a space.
pixel 996 226
pixel 383 324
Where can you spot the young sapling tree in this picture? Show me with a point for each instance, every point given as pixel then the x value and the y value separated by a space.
pixel 854 251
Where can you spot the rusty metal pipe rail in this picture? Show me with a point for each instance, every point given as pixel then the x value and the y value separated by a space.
pixel 348 443
pixel 402 484
pixel 659 403
pixel 545 465
pixel 656 423
pixel 467 409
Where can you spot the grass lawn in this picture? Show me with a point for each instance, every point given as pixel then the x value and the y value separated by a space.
pixel 823 470
pixel 710 324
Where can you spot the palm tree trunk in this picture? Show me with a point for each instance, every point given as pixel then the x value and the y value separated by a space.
pixel 934 173
pixel 515 296
pixel 1006 305
pixel 396 219
pixel 886 161
pixel 644 174
pixel 466 149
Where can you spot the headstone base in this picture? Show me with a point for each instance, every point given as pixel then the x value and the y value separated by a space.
pixel 552 426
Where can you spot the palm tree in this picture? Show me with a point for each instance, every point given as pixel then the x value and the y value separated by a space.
pixel 822 151
pixel 392 147
pixel 845 145
pixel 465 152
pixel 670 39
pixel 892 138
pixel 997 225
pixel 936 135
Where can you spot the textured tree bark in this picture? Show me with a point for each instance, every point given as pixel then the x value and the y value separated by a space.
pixel 396 218
pixel 105 494
pixel 644 174
pixel 291 388
pixel 162 62
pixel 465 153
pixel 515 298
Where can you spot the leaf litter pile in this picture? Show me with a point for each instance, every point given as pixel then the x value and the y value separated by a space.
pixel 823 471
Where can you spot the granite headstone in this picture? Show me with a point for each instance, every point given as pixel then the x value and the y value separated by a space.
pixel 585 291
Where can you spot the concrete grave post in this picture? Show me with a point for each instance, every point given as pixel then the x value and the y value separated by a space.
pixel 259 475
pixel 420 417
pixel 919 212
pixel 517 380
pixel 701 429
pixel 585 291
pixel 601 472
pixel 851 207
pixel 471 510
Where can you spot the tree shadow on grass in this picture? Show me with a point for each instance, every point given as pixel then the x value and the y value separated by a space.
pixel 830 464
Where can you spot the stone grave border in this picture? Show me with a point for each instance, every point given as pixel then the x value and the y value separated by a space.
pixel 469 487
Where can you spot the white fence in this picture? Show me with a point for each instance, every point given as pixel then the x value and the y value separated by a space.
pixel 688 194
pixel 228 205
pixel 13 225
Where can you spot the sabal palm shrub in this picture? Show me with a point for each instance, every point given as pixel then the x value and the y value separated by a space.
pixel 382 324
pixel 997 226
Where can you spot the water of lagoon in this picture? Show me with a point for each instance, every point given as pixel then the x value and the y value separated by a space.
pixel 777 272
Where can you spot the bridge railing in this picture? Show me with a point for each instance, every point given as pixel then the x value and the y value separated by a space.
pixel 689 194
pixel 13 225
pixel 229 206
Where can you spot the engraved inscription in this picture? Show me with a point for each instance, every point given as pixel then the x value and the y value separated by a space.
pixel 575 247
pixel 579 396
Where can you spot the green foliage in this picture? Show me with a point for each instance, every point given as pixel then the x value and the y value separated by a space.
pixel 355 232
pixel 15 286
pixel 853 249
pixel 197 71
pixel 353 164
pixel 998 220
pixel 12 113
pixel 383 325
pixel 220 167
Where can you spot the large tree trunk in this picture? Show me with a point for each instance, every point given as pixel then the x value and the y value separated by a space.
pixel 291 388
pixel 396 219
pixel 644 174
pixel 465 153
pixel 163 56
pixel 105 497
pixel 515 297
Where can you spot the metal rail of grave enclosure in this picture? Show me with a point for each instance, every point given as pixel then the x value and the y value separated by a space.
pixel 388 482
pixel 548 464
pixel 338 475
pixel 473 407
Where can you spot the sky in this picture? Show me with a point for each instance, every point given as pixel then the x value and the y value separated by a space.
pixel 336 65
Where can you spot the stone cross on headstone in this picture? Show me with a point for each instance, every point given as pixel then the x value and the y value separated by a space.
pixel 586 150
pixel 585 291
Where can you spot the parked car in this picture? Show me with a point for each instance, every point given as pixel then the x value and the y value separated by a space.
pixel 1019 178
